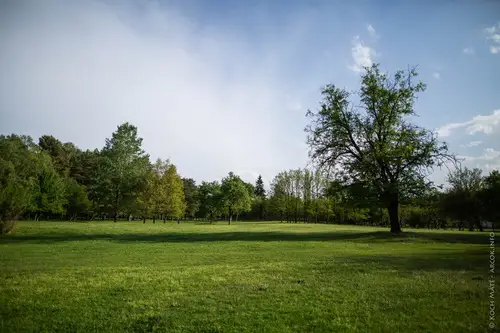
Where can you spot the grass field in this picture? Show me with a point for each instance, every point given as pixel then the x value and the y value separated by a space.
pixel 247 277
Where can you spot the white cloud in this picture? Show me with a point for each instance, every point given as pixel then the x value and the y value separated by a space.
pixel 488 161
pixel 478 124
pixel 199 96
pixel 361 54
pixel 372 32
pixel 494 49
pixel 472 144
pixel 468 50
pixel 493 35
pixel 436 75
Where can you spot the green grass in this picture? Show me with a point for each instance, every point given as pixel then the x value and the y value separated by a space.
pixel 247 277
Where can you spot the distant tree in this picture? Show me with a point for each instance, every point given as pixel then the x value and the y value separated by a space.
pixel 211 204
pixel 60 153
pixel 259 187
pixel 159 189
pixel 146 204
pixel 191 197
pixel 462 201
pixel 277 200
pixel 18 176
pixel 77 201
pixel 286 194
pixel 307 195
pixel 490 197
pixel 123 169
pixel 297 178
pixel 174 188
pixel 49 193
pixel 319 204
pixel 375 144
pixel 260 196
pixel 235 195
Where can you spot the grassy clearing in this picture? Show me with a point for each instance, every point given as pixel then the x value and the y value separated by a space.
pixel 247 277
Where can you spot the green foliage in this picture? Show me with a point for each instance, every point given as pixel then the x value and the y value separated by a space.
pixel 236 195
pixel 211 204
pixel 60 153
pixel 259 188
pixel 18 169
pixel 490 197
pixel 122 170
pixel 49 192
pixel 77 201
pixel 375 144
pixel 57 181
pixel 462 201
pixel 191 197
pixel 173 187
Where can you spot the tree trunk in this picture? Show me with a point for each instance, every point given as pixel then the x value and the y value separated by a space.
pixel 230 218
pixel 143 219
pixel 115 216
pixel 394 215
pixel 478 223
pixel 154 218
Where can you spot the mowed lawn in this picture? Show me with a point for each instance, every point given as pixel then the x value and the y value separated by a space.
pixel 247 277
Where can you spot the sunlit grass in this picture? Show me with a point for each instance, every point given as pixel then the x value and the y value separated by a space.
pixel 246 277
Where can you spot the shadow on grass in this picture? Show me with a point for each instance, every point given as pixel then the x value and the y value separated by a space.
pixel 173 237
pixel 471 261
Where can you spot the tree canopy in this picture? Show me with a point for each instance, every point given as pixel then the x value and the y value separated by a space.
pixel 374 143
pixel 370 166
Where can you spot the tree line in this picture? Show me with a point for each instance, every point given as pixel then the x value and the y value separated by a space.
pixel 370 166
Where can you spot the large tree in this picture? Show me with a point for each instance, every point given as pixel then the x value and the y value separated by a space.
pixel 372 141
pixel 123 169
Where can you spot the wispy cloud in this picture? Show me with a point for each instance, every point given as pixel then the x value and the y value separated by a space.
pixel 468 50
pixel 472 144
pixel 478 124
pixel 372 32
pixel 362 55
pixel 489 160
pixel 493 35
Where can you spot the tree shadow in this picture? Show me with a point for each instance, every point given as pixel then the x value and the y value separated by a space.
pixel 177 237
pixel 471 261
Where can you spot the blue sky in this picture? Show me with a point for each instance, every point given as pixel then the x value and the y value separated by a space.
pixel 219 86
